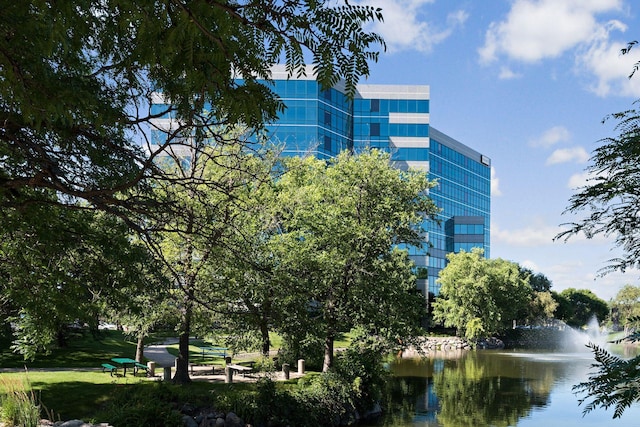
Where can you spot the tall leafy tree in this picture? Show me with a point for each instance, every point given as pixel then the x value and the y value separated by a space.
pixel 343 223
pixel 75 106
pixel 195 245
pixel 538 281
pixel 542 308
pixel 612 193
pixel 625 306
pixel 70 268
pixel 480 296
pixel 610 200
pixel 577 307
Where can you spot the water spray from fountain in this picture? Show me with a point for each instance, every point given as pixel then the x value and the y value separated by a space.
pixel 578 339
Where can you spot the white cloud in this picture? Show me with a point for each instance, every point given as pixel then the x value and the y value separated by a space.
pixel 538 29
pixel 578 180
pixel 531 265
pixel 566 155
pixel 537 234
pixel 495 183
pixel 404 27
pixel 610 68
pixel 551 136
pixel 531 32
pixel 508 74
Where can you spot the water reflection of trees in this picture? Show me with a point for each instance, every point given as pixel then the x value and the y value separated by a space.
pixel 492 390
pixel 408 398
pixel 479 388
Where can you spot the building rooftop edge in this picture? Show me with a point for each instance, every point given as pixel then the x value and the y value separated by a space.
pixel 382 91
pixel 438 136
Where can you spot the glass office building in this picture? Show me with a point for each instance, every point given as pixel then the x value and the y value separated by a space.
pixel 394 118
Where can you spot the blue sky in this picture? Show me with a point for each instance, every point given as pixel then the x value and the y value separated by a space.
pixel 527 83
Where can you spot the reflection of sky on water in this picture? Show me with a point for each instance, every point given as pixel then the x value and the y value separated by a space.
pixel 546 380
pixel 427 405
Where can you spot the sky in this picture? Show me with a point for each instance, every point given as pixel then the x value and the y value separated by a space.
pixel 527 83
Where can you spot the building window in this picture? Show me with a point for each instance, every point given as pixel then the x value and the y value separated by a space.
pixel 327 118
pixel 374 129
pixel 375 105
pixel 327 143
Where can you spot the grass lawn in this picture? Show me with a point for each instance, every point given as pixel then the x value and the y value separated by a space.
pixel 83 351
pixel 74 386
pixel 70 394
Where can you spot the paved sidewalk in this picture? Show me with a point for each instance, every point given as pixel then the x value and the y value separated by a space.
pixel 159 354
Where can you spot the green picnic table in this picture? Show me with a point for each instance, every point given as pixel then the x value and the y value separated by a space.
pixel 127 362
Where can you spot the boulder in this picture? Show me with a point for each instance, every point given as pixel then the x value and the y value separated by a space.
pixel 232 420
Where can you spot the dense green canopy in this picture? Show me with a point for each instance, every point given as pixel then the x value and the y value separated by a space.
pixel 77 79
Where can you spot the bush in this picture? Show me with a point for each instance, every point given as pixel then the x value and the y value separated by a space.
pixel 361 366
pixel 19 405
pixel 150 405
pixel 265 364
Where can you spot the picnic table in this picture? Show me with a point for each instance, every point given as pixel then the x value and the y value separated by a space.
pixel 126 362
pixel 240 368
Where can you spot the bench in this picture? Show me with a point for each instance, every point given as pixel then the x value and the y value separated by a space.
pixel 112 369
pixel 213 351
pixel 139 366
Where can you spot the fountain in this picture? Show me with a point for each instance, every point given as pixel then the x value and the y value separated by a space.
pixel 579 339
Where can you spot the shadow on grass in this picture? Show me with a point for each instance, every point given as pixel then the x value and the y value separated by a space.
pixel 83 350
pixel 76 400
pixel 95 402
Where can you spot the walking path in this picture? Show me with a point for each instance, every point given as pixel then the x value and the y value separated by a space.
pixel 159 354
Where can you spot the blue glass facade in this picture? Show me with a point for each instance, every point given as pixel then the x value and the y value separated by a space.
pixel 464 195
pixel 393 118
pixel 316 122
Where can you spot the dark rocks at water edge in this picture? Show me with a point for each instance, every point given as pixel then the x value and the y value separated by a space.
pixel 490 343
pixel 210 418
pixel 451 344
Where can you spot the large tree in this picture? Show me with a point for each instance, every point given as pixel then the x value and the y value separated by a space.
pixel 70 268
pixel 611 199
pixel 625 306
pixel 342 224
pixel 196 246
pixel 77 79
pixel 578 307
pixel 612 194
pixel 480 296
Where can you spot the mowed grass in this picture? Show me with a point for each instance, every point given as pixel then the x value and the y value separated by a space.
pixel 71 385
pixel 83 351
pixel 71 394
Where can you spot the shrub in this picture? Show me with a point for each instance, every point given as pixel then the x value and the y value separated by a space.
pixel 265 364
pixel 361 366
pixel 144 406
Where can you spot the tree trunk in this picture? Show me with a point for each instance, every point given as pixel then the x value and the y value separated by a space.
pixel 182 363
pixel 140 348
pixel 266 342
pixel 328 353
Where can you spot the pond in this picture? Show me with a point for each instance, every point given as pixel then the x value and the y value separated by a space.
pixel 495 388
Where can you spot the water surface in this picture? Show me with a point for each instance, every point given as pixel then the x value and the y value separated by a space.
pixel 496 388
